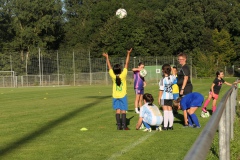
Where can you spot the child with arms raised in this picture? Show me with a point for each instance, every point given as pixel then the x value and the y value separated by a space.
pixel 119 92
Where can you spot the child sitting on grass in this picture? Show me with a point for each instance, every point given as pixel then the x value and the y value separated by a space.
pixel 150 114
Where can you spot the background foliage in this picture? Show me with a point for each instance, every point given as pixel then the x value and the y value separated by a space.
pixel 207 30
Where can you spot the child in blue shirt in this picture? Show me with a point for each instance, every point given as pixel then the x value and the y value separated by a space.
pixel 189 104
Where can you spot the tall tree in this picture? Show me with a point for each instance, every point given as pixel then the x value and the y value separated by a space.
pixel 35 24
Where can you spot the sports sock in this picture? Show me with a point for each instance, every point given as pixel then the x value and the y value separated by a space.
pixel 124 120
pixel 165 118
pixel 190 122
pixel 194 119
pixel 206 103
pixel 171 118
pixel 214 108
pixel 136 110
pixel 118 120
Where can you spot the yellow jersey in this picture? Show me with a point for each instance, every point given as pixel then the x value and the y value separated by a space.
pixel 119 91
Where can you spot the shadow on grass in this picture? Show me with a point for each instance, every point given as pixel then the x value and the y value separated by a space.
pixel 180 118
pixel 128 120
pixel 49 126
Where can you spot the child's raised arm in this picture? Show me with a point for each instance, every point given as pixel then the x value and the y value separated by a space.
pixel 107 60
pixel 127 59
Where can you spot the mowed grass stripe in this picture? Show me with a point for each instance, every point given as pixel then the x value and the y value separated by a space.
pixel 50 128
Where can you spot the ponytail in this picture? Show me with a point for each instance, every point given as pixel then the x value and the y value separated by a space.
pixel 148 98
pixel 117 71
pixel 118 80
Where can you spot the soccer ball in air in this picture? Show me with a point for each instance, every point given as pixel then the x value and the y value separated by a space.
pixel 121 13
pixel 205 114
pixel 143 72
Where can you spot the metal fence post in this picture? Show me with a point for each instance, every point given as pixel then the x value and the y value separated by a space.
pixel 222 137
pixel 74 74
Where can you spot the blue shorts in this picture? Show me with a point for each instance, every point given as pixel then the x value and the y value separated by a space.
pixel 139 91
pixel 120 103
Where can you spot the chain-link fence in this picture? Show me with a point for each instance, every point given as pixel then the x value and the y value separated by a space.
pixel 75 68
pixel 64 68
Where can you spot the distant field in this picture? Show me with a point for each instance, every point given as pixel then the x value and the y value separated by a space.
pixel 44 123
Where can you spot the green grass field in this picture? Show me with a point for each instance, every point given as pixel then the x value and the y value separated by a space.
pixel 44 123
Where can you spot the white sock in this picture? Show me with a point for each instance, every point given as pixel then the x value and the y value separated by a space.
pixel 136 110
pixel 171 118
pixel 165 118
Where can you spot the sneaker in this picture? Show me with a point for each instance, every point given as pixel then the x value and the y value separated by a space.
pixel 204 109
pixel 119 128
pixel 147 130
pixel 137 112
pixel 195 126
pixel 125 128
pixel 191 126
pixel 165 128
pixel 170 128
pixel 186 126
pixel 159 129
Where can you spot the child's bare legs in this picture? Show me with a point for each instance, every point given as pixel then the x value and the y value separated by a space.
pixel 138 102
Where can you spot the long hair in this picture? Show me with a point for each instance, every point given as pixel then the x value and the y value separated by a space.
pixel 117 71
pixel 148 98
pixel 166 69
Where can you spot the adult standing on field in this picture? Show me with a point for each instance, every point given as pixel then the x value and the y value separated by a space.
pixel 184 81
pixel 119 91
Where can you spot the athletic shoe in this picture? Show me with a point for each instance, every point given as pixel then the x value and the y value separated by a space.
pixel 204 109
pixel 119 128
pixel 195 126
pixel 186 126
pixel 125 128
pixel 159 129
pixel 191 126
pixel 147 130
pixel 170 128
pixel 165 128
pixel 137 112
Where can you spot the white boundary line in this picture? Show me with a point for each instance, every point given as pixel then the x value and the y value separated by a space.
pixel 128 148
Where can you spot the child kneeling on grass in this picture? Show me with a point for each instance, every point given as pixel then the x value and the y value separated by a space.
pixel 189 104
pixel 150 114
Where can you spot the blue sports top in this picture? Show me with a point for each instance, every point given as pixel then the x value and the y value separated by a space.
pixel 194 99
